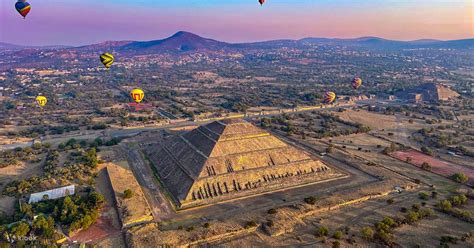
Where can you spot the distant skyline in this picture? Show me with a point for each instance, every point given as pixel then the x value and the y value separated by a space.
pixel 81 22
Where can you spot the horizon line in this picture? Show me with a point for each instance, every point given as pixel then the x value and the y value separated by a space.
pixel 256 41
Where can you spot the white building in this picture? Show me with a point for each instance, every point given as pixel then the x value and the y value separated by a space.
pixel 52 194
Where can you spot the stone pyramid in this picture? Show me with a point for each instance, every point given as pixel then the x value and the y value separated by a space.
pixel 230 159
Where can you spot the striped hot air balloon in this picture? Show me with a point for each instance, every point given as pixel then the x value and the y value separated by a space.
pixel 261 2
pixel 137 95
pixel 107 59
pixel 23 7
pixel 356 83
pixel 329 97
pixel 41 100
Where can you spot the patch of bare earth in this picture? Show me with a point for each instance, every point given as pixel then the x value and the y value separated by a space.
pixel 373 120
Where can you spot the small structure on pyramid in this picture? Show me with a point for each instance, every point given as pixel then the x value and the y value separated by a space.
pixel 231 159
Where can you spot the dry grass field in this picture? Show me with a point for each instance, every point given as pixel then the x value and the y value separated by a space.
pixel 373 120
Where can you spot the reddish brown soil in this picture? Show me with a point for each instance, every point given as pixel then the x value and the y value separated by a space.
pixel 101 229
pixel 437 166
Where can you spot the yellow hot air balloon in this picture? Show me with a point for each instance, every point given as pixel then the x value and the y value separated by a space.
pixel 41 100
pixel 356 83
pixel 107 59
pixel 329 97
pixel 137 95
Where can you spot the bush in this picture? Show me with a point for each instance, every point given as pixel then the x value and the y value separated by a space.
pixel 390 201
pixel 445 205
pixel 367 233
pixel 337 235
pixel 310 200
pixel 336 244
pixel 322 231
pixel 423 196
pixel 250 224
pixel 330 148
pixel 127 194
pixel 426 166
pixel 460 177
pixel 270 223
pixel 426 150
pixel 449 239
pixel 389 221
pixel 206 225
pixel 412 217
pixel 272 211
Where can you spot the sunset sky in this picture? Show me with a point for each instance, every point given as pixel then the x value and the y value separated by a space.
pixel 79 22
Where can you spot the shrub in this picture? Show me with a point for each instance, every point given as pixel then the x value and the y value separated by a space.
pixel 423 195
pixel 449 239
pixel 272 211
pixel 337 235
pixel 250 224
pixel 336 244
pixel 190 228
pixel 330 148
pixel 270 223
pixel 128 193
pixel 445 205
pixel 322 231
pixel 426 150
pixel 310 200
pixel 412 217
pixel 389 221
pixel 426 166
pixel 390 201
pixel 460 177
pixel 367 233
pixel 206 225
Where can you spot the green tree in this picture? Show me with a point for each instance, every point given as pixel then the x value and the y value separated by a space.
pixel 20 229
pixel 44 226
pixel 460 177
pixel 322 231
pixel 337 235
pixel 367 233
pixel 128 193
pixel 445 205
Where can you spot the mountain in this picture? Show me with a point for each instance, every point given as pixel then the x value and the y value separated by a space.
pixel 188 42
pixel 180 42
pixel 9 46
pixel 380 43
pixel 4 45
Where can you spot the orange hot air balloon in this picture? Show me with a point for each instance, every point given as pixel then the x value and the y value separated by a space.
pixel 329 97
pixel 261 2
pixel 137 95
pixel 356 83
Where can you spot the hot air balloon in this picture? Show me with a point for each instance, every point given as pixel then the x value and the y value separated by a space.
pixel 329 97
pixel 137 95
pixel 261 2
pixel 23 7
pixel 41 100
pixel 107 59
pixel 356 83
